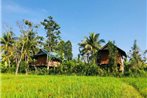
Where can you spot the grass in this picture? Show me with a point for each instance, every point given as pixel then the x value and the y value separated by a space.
pixel 33 86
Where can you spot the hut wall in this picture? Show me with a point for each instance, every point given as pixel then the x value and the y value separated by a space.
pixel 41 60
pixel 120 62
pixel 104 59
pixel 53 63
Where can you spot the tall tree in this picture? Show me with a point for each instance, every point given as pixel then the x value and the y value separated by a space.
pixel 85 50
pixel 19 48
pixel 27 44
pixel 7 42
pixel 32 42
pixel 61 49
pixel 53 33
pixel 90 46
pixel 65 50
pixel 136 61
pixel 68 50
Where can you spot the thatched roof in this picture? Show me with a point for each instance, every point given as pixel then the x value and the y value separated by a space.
pixel 105 47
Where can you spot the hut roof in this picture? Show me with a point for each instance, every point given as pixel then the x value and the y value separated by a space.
pixel 53 55
pixel 105 47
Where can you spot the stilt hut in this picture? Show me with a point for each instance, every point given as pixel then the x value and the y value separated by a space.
pixel 45 58
pixel 103 57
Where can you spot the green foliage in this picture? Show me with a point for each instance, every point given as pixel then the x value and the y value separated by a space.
pixel 7 41
pixel 91 70
pixel 134 73
pixel 23 66
pixel 27 45
pixel 113 53
pixel 41 71
pixel 61 48
pixel 136 65
pixel 65 50
pixel 67 67
pixel 135 58
pixel 80 68
pixel 68 50
pixel 5 69
pixel 90 46
pixel 71 68
pixel 52 32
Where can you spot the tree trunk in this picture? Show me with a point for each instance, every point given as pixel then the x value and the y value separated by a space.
pixel 9 62
pixel 18 63
pixel 26 71
pixel 27 65
pixel 35 68
pixel 48 64
pixel 17 67
pixel 88 58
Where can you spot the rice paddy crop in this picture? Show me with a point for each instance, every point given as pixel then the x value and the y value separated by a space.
pixel 138 83
pixel 47 86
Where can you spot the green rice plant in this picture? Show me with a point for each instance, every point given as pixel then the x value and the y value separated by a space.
pixel 61 86
pixel 139 83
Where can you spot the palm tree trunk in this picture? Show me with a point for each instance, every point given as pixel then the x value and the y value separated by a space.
pixel 35 68
pixel 26 69
pixel 17 66
pixel 9 62
pixel 88 58
pixel 18 63
pixel 47 61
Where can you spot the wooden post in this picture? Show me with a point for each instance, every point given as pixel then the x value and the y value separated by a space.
pixel 47 63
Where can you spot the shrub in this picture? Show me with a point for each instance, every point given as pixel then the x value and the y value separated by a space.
pixel 78 69
pixel 6 69
pixel 3 69
pixel 67 67
pixel 22 67
pixel 41 71
pixel 135 73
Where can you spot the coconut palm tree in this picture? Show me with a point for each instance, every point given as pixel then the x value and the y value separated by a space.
pixel 19 52
pixel 7 42
pixel 28 44
pixel 90 46
pixel 85 50
pixel 32 41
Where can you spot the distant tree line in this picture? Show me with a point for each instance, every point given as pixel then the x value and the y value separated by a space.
pixel 17 52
